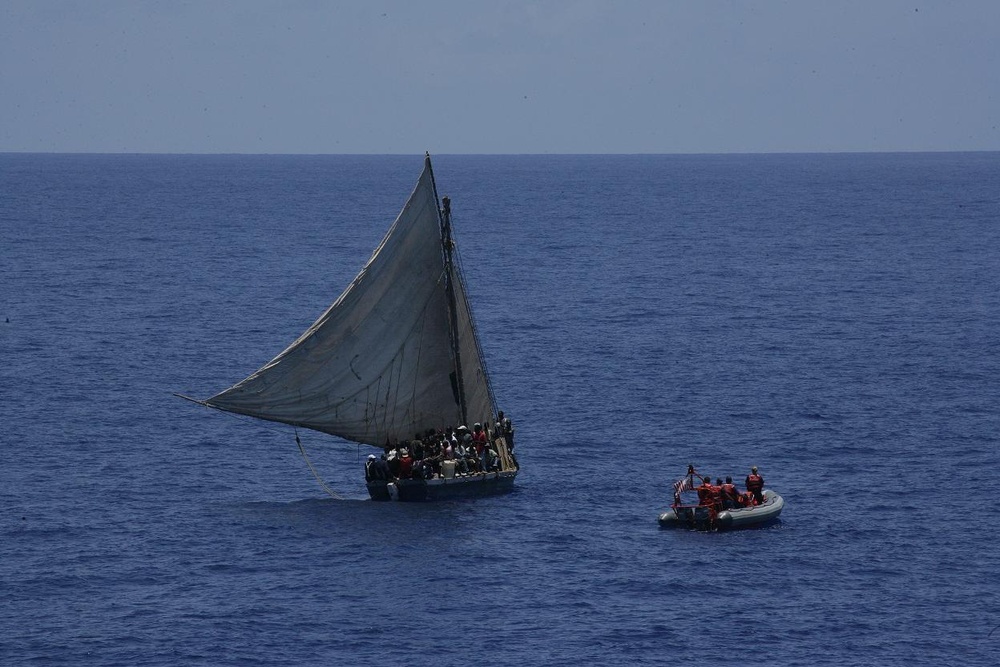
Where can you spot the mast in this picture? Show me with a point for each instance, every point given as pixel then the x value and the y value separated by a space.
pixel 448 247
pixel 452 304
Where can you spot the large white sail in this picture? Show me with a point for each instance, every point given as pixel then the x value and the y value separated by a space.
pixel 379 365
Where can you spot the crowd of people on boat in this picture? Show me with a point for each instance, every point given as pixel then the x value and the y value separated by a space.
pixel 723 495
pixel 443 453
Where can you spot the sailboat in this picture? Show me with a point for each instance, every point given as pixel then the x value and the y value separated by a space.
pixel 395 358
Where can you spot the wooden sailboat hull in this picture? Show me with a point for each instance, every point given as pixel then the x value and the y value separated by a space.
pixel 419 490
pixel 744 517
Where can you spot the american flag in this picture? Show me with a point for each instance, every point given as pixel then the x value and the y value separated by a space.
pixel 683 484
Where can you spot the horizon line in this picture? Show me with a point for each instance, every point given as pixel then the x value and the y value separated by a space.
pixel 512 154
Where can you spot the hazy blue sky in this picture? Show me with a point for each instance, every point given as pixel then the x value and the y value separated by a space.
pixel 464 76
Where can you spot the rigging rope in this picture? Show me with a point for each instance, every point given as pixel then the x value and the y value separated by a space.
pixel 313 468
pixel 266 425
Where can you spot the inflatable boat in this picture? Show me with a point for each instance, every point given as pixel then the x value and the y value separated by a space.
pixel 700 518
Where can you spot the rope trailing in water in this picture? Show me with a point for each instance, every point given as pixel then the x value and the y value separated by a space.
pixel 276 428
pixel 313 468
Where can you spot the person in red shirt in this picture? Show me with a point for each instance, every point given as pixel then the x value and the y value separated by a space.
pixel 405 464
pixel 478 436
pixel 479 440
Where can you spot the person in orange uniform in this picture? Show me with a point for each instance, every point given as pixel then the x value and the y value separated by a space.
pixel 707 494
pixel 719 498
pixel 755 485
pixel 730 496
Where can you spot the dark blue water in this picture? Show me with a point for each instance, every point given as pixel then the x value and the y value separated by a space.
pixel 833 319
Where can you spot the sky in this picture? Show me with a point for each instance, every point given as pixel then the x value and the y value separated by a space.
pixel 496 76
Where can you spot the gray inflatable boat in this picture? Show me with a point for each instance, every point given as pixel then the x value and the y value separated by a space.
pixel 699 518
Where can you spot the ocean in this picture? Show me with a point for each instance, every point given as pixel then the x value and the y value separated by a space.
pixel 832 319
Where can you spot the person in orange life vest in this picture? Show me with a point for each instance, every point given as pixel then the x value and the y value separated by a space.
pixel 707 493
pixel 719 500
pixel 755 485
pixel 730 496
